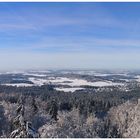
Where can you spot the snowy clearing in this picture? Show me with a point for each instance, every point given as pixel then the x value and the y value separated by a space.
pixel 81 82
pixel 38 81
pixel 119 74
pixel 71 82
pixel 68 89
pixel 19 85
pixel 36 75
pixel 138 78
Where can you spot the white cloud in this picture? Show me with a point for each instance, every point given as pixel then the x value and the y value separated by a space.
pixel 82 44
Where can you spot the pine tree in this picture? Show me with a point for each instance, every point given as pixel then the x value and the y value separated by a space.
pixel 23 128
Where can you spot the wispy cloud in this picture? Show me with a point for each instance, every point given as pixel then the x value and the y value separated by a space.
pixel 80 35
pixel 38 20
pixel 83 44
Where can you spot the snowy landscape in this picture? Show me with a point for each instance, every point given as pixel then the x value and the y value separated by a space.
pixel 93 97
pixel 69 69
pixel 70 81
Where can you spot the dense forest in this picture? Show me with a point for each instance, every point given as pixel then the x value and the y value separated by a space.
pixel 51 114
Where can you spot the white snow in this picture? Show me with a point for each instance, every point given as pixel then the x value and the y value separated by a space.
pixel 138 78
pixel 14 72
pixel 39 71
pixel 104 74
pixel 81 82
pixel 38 81
pixel 68 89
pixel 19 85
pixel 37 75
pixel 71 82
pixel 102 84
pixel 95 73
pixel 74 83
pixel 17 78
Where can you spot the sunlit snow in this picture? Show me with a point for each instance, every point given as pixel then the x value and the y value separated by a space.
pixel 19 85
pixel 68 89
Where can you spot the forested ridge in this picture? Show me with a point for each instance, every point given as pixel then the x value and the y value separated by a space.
pixel 80 114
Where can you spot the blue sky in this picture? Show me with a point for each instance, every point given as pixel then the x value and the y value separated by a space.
pixel 69 35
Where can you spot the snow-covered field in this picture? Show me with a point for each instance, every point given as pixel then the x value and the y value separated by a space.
pixel 36 75
pixel 39 81
pixel 95 73
pixel 19 85
pixel 71 82
pixel 39 78
pixel 81 82
pixel 138 78
pixel 68 89
pixel 103 74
